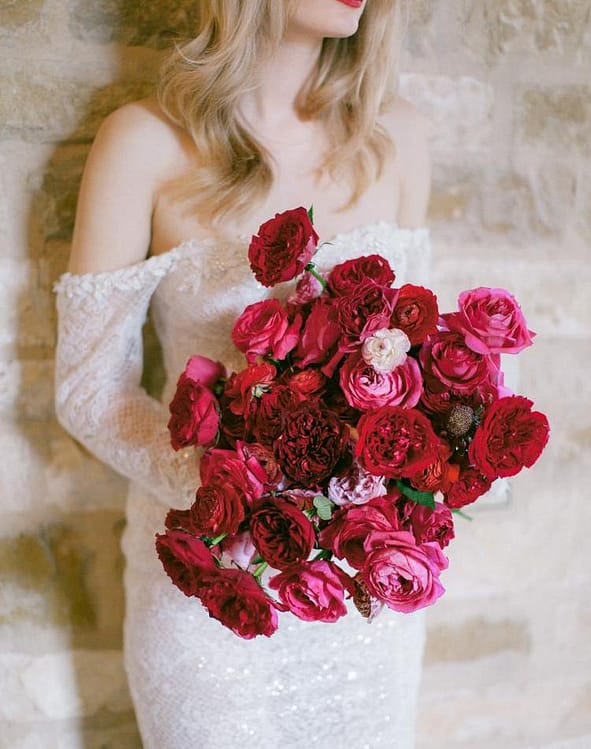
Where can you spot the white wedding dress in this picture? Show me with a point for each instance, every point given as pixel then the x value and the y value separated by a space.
pixel 195 685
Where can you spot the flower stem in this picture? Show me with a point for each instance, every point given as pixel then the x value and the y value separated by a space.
pixel 215 541
pixel 462 515
pixel 324 554
pixel 260 569
pixel 311 268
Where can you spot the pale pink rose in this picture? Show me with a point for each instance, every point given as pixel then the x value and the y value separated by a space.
pixel 386 349
pixel 204 370
pixel 491 321
pixel 307 289
pixel 264 329
pixel 402 573
pixel 366 389
pixel 356 487
pixel 238 551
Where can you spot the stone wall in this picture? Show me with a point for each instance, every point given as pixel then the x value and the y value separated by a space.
pixel 506 83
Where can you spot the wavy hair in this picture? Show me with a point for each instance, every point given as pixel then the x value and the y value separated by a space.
pixel 201 82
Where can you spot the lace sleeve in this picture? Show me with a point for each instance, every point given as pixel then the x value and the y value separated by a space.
pixel 98 396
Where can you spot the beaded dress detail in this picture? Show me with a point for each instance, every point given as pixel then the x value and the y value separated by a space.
pixel 193 682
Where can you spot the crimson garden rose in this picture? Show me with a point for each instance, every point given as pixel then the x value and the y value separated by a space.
pixel 415 312
pixel 448 363
pixel 345 277
pixel 218 508
pixel 313 591
pixel 396 442
pixel 510 437
pixel 470 485
pixel 264 329
pixel 402 573
pixel 268 414
pixel 194 414
pixel 432 525
pixel 319 337
pixel 364 311
pixel 185 559
pixel 235 599
pixel 312 443
pixel 281 532
pixel 283 247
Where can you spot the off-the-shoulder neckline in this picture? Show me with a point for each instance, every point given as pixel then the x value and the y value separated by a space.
pixel 162 259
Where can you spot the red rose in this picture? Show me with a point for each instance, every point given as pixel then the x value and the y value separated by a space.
pixel 264 329
pixel 194 417
pixel 367 308
pixel 311 444
pixel 261 462
pixel 449 364
pixel 396 442
pixel 349 527
pixel 319 338
pixel 415 313
pixel 313 591
pixel 250 383
pixel 204 370
pixel 235 599
pixel 266 419
pixel 307 383
pixel 432 525
pixel 345 277
pixel 185 559
pixel 283 247
pixel 228 468
pixel 439 475
pixel 281 532
pixel 218 508
pixel 510 437
pixel 470 485
pixel 366 389
pixel 401 573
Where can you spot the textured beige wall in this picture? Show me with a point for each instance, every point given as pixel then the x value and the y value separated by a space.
pixel 508 86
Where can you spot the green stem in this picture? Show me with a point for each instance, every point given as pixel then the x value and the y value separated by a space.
pixel 215 541
pixel 260 569
pixel 324 554
pixel 462 515
pixel 311 268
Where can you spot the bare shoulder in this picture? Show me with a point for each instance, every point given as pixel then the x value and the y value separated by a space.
pixel 133 150
pixel 411 131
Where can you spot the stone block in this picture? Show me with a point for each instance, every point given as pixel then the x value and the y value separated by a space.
pixel 27 389
pixel 556 118
pixel 16 13
pixel 132 23
pixel 104 730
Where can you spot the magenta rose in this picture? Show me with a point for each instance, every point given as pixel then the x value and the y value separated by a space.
pixel 281 532
pixel 185 559
pixel 319 338
pixel 312 443
pixel 346 277
pixel 349 527
pixel 448 363
pixel 204 370
pixel 235 599
pixel 510 437
pixel 366 389
pixel 264 329
pixel 313 591
pixel 194 414
pixel 432 525
pixel 396 442
pixel 491 321
pixel 283 247
pixel 402 573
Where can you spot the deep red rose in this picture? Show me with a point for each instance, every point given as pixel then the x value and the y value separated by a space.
pixel 415 312
pixel 347 530
pixel 264 329
pixel 396 442
pixel 235 599
pixel 449 364
pixel 345 277
pixel 432 525
pixel 319 337
pixel 244 386
pixel 194 416
pixel 185 559
pixel 228 468
pixel 439 475
pixel 283 247
pixel 470 485
pixel 218 508
pixel 402 573
pixel 313 591
pixel 265 422
pixel 261 462
pixel 367 308
pixel 510 437
pixel 281 532
pixel 311 444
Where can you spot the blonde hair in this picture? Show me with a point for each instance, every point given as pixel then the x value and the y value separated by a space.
pixel 202 80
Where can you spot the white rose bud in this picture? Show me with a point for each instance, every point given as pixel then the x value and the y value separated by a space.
pixel 385 349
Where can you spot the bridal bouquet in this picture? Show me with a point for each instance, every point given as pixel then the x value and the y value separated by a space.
pixel 333 461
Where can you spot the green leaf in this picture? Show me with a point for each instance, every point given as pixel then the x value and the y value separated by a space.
pixel 323 507
pixel 463 515
pixel 311 213
pixel 421 498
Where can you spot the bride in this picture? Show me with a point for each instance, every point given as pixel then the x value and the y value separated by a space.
pixel 274 104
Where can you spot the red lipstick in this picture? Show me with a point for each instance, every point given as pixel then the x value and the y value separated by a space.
pixel 352 3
